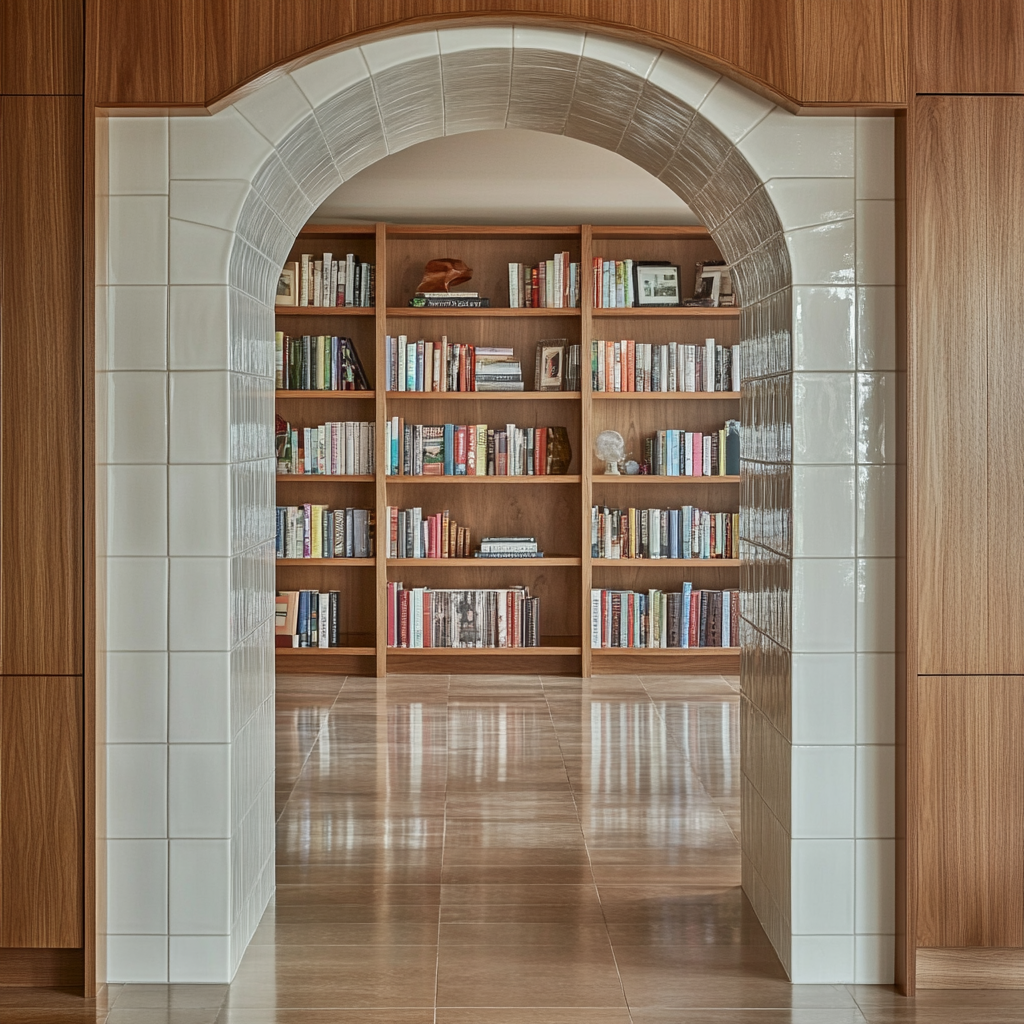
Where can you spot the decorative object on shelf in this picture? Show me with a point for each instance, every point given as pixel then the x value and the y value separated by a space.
pixel 442 275
pixel 632 467
pixel 559 453
pixel 657 284
pixel 550 366
pixel 611 450
pixel 288 286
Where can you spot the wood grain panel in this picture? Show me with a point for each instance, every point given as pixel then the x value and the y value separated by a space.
pixel 1005 328
pixel 41 820
pixel 42 47
pixel 970 813
pixel 41 391
pixel 948 233
pixel 42 968
pixel 963 46
pixel 970 968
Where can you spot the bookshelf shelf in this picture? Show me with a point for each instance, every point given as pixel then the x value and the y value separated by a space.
pixel 554 508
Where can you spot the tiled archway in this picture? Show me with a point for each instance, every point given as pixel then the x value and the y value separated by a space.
pixel 201 212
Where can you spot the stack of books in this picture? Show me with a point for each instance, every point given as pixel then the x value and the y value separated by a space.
pixel 317 363
pixel 307 618
pixel 331 449
pixel 550 284
pixel 693 452
pixel 631 366
pixel 657 619
pixel 424 617
pixel 449 300
pixel 314 531
pixel 509 547
pixel 685 532
pixel 497 369
pixel 411 535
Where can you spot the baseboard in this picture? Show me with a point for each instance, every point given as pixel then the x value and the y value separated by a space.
pixel 42 968
pixel 970 967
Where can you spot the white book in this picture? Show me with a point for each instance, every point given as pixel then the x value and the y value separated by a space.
pixel 332 293
pixel 348 466
pixel 316 293
pixel 304 281
pixel 323 621
pixel 595 618
pixel 690 371
pixel 706 460
pixel 350 299
pixel 736 375
pixel 709 364
pixel 673 368
pixel 325 296
pixel 513 286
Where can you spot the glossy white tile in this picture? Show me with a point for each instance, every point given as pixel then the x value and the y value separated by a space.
pixel 199 327
pixel 823 418
pixel 137 416
pixel 200 429
pixel 823 511
pixel 876 955
pixel 213 203
pixel 137 886
pixel 276 108
pixel 199 254
pixel 824 599
pixel 876 604
pixel 876 327
pixel 136 697
pixel 823 699
pixel 388 53
pixel 876 698
pixel 136 604
pixel 876 158
pixel 804 202
pixel 876 792
pixel 199 696
pixel 786 146
pixel 876 417
pixel 876 511
pixel 331 75
pixel 136 791
pixel 822 959
pixel 136 337
pixel 199 791
pixel 137 240
pixel 475 37
pixel 824 328
pixel 876 886
pixel 823 254
pixel 200 604
pixel 822 792
pixel 137 156
pixel 200 887
pixel 137 510
pixel 136 959
pixel 733 109
pixel 222 146
pixel 823 880
pixel 199 512
pixel 876 241
pixel 630 57
pixel 199 959
pixel 538 37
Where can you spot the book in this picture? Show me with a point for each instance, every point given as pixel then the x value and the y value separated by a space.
pixel 311 618
pixel 627 365
pixel 660 619
pixel 333 449
pixel 453 301
pixel 318 363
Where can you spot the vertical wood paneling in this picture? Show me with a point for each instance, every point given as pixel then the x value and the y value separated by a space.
pixel 41 811
pixel 41 47
pixel 1003 283
pixel 949 341
pixel 971 811
pixel 41 385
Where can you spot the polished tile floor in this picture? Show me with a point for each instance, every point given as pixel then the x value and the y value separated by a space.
pixel 509 850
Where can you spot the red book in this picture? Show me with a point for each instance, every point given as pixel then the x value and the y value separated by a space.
pixel 629 620
pixel 426 620
pixel 462 368
pixel 403 618
pixel 629 370
pixel 460 450
pixel 472 368
pixel 391 615
pixel 542 446
pixel 694 618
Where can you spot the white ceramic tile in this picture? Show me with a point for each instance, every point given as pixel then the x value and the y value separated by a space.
pixel 200 959
pixel 137 416
pixel 876 604
pixel 683 79
pixel 200 604
pixel 138 240
pixel 137 510
pixel 475 37
pixel 876 511
pixel 214 203
pixel 103 349
pixel 199 691
pixel 537 37
pixel 327 76
pixel 136 959
pixel 822 872
pixel 876 417
pixel 199 327
pixel 136 604
pixel 876 241
pixel 876 955
pixel 733 109
pixel 199 254
pixel 876 886
pixel 822 790
pixel 275 108
pixel 389 53
pixel 823 418
pixel 876 698
pixel 786 146
pixel 631 57
pixel 823 254
pixel 200 510
pixel 136 790
pixel 104 447
pixel 803 202
pixel 824 605
pixel 824 328
pixel 200 887
pixel 823 511
pixel 137 327
pixel 823 696
pixel 136 697
pixel 876 328
pixel 199 791
pixel 199 417
pixel 137 886
pixel 822 960
pixel 876 161
pixel 137 155
pixel 225 145
pixel 876 792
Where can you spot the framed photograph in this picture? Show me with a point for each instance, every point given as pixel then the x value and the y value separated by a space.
pixel 657 284
pixel 552 367
pixel 288 286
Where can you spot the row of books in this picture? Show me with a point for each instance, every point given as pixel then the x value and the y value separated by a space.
pixel 694 453
pixel 423 617
pixel 632 366
pixel 413 535
pixel 440 366
pixel 307 618
pixel 317 363
pixel 327 281
pixel 685 532
pixel 418 449
pixel 657 619
pixel 315 531
pixel 550 284
pixel 330 449
pixel 614 284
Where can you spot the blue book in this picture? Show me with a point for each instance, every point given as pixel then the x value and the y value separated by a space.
pixel 449 449
pixel 684 616
pixel 673 533
pixel 302 621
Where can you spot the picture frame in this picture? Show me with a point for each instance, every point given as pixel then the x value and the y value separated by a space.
pixel 288 286
pixel 550 365
pixel 656 284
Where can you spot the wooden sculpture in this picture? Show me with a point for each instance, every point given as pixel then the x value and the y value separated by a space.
pixel 442 275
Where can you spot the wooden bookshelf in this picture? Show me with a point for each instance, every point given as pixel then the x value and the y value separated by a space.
pixel 555 509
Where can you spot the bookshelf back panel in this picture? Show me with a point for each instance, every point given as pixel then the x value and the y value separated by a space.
pixel 356 584
pixel 361 329
pixel 626 576
pixel 332 493
pixel 665 492
pixel 488 257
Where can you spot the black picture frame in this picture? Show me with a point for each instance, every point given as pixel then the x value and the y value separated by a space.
pixel 656 283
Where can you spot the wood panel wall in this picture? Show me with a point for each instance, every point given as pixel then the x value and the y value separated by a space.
pixel 43 801
pixel 192 54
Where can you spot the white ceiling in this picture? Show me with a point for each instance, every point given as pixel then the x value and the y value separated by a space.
pixel 508 176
